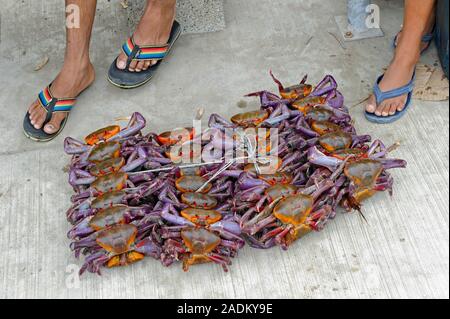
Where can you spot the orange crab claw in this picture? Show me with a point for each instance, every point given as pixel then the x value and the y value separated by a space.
pixel 179 135
pixel 102 134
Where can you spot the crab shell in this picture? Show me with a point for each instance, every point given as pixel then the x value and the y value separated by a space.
pixel 114 215
pixel 354 152
pixel 199 243
pixel 112 165
pixel 335 141
pixel 104 151
pixel 197 200
pixel 280 190
pixel 180 135
pixel 111 182
pixel 296 91
pixel 318 113
pixel 118 241
pixel 324 127
pixel 364 172
pixel 270 166
pixel 108 199
pixel 191 183
pixel 201 217
pixel 294 210
pixel 277 178
pixel 304 104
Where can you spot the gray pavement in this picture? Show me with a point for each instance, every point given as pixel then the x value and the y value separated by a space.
pixel 403 250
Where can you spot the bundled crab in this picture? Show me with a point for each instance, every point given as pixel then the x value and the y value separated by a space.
pixel 266 178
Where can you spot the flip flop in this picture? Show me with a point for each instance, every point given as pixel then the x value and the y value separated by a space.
pixel 427 38
pixel 51 105
pixel 130 80
pixel 381 96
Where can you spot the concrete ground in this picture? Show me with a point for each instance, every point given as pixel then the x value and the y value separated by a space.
pixel 403 250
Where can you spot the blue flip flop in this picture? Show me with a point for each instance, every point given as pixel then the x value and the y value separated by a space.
pixel 427 38
pixel 381 96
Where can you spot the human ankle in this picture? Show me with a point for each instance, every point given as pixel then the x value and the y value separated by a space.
pixel 406 60
pixel 78 66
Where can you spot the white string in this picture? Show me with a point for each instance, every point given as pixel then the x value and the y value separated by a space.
pixel 245 145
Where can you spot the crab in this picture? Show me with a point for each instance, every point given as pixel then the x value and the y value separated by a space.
pixel 107 217
pixel 289 219
pixel 108 134
pixel 113 247
pixel 84 205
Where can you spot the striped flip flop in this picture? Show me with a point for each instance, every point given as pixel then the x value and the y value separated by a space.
pixel 130 80
pixel 51 105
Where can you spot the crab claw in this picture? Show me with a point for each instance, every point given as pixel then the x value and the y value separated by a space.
pixel 149 248
pixel 136 124
pixel 74 147
pixel 327 85
pixel 316 157
pixel 336 100
pixel 278 82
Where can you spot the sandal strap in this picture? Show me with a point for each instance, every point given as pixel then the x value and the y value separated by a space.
pixel 381 96
pixel 54 105
pixel 136 52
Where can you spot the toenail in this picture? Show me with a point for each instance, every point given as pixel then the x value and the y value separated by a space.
pixel 370 108
pixel 121 64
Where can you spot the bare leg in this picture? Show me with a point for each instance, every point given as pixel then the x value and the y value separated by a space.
pixel 429 29
pixel 77 72
pixel 153 29
pixel 417 21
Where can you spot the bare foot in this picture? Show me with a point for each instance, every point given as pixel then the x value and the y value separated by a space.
pixel 398 74
pixel 70 82
pixel 153 29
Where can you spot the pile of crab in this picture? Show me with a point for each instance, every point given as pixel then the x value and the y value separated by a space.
pixel 266 178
